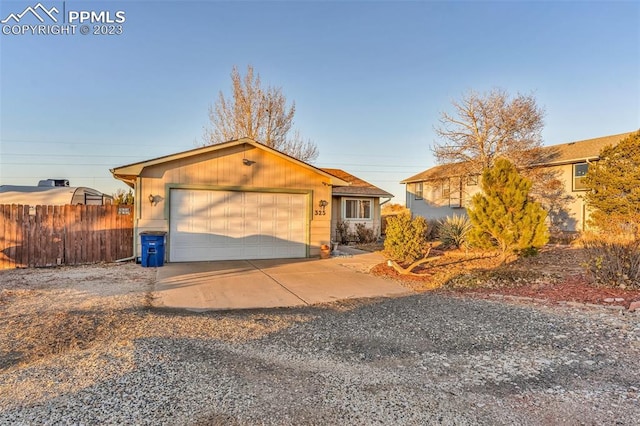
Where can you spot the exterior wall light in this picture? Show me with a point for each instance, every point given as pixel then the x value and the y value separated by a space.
pixel 155 199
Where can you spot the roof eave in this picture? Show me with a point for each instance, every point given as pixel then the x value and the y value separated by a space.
pixel 569 161
pixel 129 172
pixel 415 178
pixel 128 179
pixel 372 195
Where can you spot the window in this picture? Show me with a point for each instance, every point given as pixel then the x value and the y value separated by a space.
pixel 455 192
pixel 579 172
pixel 446 188
pixel 357 209
pixel 418 191
pixel 472 180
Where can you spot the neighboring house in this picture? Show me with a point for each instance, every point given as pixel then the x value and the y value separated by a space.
pixel 235 200
pixel 52 192
pixel 444 190
pixel 357 203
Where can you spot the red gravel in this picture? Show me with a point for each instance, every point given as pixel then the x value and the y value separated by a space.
pixel 573 289
pixel 555 275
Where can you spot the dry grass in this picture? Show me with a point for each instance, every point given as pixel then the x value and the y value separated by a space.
pixel 34 337
pixel 50 314
pixel 451 264
pixel 47 313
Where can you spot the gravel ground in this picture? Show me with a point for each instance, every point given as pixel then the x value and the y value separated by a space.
pixel 423 359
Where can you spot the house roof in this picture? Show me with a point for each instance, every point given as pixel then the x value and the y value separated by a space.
pixel 566 153
pixel 437 172
pixel 572 152
pixel 356 186
pixel 128 173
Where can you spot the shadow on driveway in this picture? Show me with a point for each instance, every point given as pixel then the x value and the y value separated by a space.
pixel 250 284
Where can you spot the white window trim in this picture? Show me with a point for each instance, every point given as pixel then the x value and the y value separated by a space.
pixel 371 209
pixel 574 177
pixel 415 191
pixel 446 195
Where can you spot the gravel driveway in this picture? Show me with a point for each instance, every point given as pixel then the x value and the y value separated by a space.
pixel 423 359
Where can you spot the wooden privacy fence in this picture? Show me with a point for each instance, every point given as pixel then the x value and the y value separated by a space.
pixel 64 235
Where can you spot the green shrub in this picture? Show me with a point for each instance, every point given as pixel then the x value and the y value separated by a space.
pixel 528 252
pixel 406 238
pixel 613 261
pixel 453 230
pixel 342 232
pixel 365 235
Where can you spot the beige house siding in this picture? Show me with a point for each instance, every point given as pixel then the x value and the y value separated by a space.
pixel 434 205
pixel 562 158
pixel 574 215
pixel 336 215
pixel 224 170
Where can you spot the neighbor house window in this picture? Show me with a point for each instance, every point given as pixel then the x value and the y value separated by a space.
pixel 446 188
pixel 418 190
pixel 579 172
pixel 357 209
pixel 472 180
pixel 455 192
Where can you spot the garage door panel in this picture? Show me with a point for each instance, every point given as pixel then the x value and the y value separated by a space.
pixel 208 253
pixel 222 225
pixel 252 228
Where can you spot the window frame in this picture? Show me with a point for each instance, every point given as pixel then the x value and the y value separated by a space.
pixel 418 194
pixel 446 192
pixel 576 180
pixel 358 209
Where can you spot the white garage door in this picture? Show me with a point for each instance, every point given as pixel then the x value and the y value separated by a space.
pixel 228 225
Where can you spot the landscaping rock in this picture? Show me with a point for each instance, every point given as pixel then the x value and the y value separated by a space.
pixel 432 358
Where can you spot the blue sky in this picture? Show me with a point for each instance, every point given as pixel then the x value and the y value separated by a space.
pixel 369 78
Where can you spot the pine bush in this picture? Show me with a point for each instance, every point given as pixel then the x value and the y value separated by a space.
pixel 503 216
pixel 613 255
pixel 614 187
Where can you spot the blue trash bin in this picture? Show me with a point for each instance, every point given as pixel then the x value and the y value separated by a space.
pixel 152 248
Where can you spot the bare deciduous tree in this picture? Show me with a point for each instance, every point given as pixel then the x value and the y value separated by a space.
pixel 485 127
pixel 259 114
pixel 488 126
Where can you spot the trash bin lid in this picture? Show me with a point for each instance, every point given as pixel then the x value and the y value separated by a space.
pixel 159 233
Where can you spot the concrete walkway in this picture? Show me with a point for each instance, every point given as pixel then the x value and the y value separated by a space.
pixel 249 284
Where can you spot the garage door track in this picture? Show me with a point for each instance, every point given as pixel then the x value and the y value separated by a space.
pixel 250 284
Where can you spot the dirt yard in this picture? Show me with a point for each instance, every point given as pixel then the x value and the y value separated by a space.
pixel 555 275
pixel 54 310
pixel 81 345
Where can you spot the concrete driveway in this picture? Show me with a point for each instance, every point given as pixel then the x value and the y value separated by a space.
pixel 248 284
